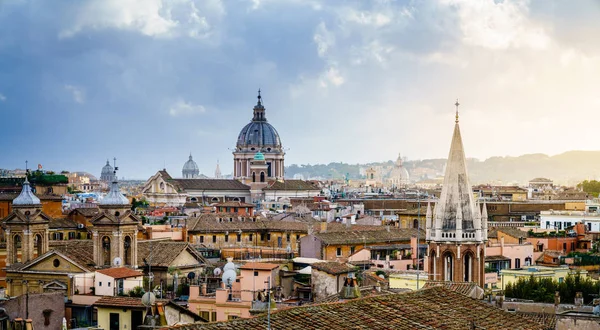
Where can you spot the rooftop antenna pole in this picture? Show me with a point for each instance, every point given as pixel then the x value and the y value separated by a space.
pixel 418 231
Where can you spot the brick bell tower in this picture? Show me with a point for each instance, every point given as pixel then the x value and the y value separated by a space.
pixel 456 229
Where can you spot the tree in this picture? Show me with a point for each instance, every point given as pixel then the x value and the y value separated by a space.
pixel 590 187
pixel 137 291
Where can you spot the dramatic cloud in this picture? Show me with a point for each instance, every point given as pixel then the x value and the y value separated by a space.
pixel 2 97
pixel 363 80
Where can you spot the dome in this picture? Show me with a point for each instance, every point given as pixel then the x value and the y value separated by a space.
pixel 259 134
pixel 107 172
pixel 114 197
pixel 190 169
pixel 26 197
pixel 259 156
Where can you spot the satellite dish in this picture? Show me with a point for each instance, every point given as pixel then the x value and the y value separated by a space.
pixel 217 271
pixel 117 262
pixel 229 265
pixel 229 277
pixel 148 299
pixel 191 275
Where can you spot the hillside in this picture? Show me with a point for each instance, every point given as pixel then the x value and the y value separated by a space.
pixel 567 168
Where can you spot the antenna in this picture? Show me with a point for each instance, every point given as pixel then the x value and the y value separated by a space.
pixel 117 262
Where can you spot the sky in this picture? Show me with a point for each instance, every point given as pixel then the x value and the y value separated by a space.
pixel 149 81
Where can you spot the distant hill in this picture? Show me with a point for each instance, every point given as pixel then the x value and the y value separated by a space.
pixel 567 168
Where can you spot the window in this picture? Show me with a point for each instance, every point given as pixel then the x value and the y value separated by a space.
pixel 564 246
pixel 268 236
pixel 297 237
pixel 99 283
pixel 56 262
pixel 205 315
pixel 338 252
pixel 201 239
pixel 71 235
pixel 352 250
pixel 108 283
pixel 561 279
pixel 255 273
pixel 226 238
pixel 232 317
pixel 517 263
pixel 239 237
pixel 213 316
pixel 547 224
pixel 214 238
pixel 250 237
pixel 262 237
pixel 572 246
pixel 287 236
pixel 235 210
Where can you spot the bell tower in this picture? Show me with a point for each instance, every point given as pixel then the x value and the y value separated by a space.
pixel 456 229
pixel 115 230
pixel 26 228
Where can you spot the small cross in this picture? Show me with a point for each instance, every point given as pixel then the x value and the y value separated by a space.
pixel 456 104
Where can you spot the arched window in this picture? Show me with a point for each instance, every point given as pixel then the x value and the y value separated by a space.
pixel 448 271
pixel 415 223
pixel 128 250
pixel 262 176
pixel 162 186
pixel 105 256
pixel 16 257
pixel 468 267
pixel 38 245
pixel 253 177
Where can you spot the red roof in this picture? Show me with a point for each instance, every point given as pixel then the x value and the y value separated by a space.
pixel 120 272
pixel 259 266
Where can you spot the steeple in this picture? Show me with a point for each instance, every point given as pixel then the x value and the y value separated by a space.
pixel 259 109
pixel 456 213
pixel 218 171
pixel 115 198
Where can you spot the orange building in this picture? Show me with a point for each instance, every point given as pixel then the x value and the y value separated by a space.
pixel 238 208
pixel 51 205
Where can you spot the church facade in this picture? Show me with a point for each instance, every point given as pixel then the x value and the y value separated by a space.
pixel 456 228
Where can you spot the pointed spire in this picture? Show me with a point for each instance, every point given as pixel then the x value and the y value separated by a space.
pixel 26 197
pixel 456 209
pixel 456 104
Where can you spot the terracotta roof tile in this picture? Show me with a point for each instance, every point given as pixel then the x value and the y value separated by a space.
pixel 120 272
pixel 433 308
pixel 292 185
pixel 259 266
pixel 333 267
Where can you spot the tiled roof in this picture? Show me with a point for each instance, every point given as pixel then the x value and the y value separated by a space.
pixel 540 180
pixel 86 211
pixel 162 253
pixel 352 236
pixel 433 308
pixel 513 232
pixel 333 267
pixel 259 266
pixel 365 291
pixel 80 251
pixel 62 223
pixel 496 258
pixel 291 185
pixel 234 204
pixel 464 288
pixel 548 320
pixel 11 196
pixel 209 184
pixel 120 272
pixel 108 301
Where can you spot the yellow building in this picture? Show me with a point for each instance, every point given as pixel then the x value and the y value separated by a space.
pixel 558 274
pixel 410 279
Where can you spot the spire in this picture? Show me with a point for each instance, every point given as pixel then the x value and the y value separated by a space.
pixel 456 203
pixel 428 222
pixel 114 196
pixel 456 104
pixel 259 109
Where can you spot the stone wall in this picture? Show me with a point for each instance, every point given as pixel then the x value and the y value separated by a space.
pixel 42 308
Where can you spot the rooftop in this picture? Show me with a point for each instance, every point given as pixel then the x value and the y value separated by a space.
pixel 333 267
pixel 120 272
pixel 432 308
pixel 259 266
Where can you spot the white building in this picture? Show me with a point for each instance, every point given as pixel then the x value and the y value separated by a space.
pixel 115 281
pixel 559 220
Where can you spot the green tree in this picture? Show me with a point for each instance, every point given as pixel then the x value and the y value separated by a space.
pixel 137 291
pixel 591 187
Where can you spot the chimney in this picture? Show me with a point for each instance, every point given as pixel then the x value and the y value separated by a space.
pixel 578 299
pixel 203 289
pixel 348 222
pixel 28 324
pixel 387 227
pixel 324 226
pixel 414 247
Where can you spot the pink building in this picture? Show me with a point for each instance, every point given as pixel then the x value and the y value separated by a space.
pixel 246 294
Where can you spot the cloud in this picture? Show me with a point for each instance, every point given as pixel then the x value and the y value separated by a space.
pixel 183 108
pixel 154 18
pixel 324 39
pixel 2 97
pixel 331 77
pixel 77 93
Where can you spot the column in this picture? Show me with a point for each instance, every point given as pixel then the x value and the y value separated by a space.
pixel 9 247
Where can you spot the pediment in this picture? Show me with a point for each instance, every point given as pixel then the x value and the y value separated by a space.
pixel 55 285
pixel 54 261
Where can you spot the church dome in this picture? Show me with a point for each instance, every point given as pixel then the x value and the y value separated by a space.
pixel 259 134
pixel 26 197
pixel 114 197
pixel 399 174
pixel 107 172
pixel 190 169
